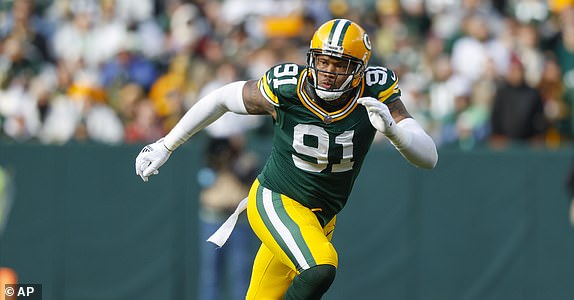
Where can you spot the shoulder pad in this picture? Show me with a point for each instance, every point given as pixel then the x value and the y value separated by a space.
pixel 381 83
pixel 280 82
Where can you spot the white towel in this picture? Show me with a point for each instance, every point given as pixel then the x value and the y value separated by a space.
pixel 222 234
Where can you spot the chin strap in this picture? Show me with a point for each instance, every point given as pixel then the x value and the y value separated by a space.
pixel 328 96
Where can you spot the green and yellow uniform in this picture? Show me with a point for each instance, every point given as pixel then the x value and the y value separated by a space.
pixel 316 157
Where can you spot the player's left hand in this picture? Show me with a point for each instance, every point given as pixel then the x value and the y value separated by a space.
pixel 379 115
pixel 150 159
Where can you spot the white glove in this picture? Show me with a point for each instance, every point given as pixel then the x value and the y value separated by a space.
pixel 379 115
pixel 151 158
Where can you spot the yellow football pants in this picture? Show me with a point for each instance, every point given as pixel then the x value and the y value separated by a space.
pixel 292 239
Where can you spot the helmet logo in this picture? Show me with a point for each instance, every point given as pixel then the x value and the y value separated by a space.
pixel 367 41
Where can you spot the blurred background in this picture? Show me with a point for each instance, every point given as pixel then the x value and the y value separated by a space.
pixel 84 84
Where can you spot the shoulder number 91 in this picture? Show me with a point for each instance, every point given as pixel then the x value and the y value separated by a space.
pixel 285 74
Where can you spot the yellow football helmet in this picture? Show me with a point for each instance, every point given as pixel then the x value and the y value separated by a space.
pixel 346 41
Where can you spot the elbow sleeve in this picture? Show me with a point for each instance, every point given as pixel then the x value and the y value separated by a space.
pixel 415 144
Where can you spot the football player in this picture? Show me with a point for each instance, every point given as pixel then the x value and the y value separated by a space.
pixel 325 117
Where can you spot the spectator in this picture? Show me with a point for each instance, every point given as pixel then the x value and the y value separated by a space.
pixel 168 92
pixel 18 62
pixel 528 51
pixel 18 109
pixel 186 29
pixel 479 44
pixel 29 27
pixel 442 92
pixel 82 114
pixel 129 66
pixel 556 108
pixel 130 42
pixel 518 111
pixel 74 41
pixel 225 182
pixel 145 127
pixel 562 46
pixel 142 124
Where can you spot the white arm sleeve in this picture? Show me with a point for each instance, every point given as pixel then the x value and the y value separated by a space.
pixel 414 144
pixel 206 111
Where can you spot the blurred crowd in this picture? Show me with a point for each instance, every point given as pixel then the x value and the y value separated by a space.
pixel 473 72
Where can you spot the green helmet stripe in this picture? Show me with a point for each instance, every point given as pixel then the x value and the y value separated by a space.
pixel 338 31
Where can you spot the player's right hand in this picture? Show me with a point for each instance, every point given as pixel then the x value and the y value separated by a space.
pixel 151 158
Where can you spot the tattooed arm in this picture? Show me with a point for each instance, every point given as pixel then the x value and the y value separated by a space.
pixel 398 110
pixel 254 102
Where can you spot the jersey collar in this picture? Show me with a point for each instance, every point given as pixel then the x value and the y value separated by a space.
pixel 327 117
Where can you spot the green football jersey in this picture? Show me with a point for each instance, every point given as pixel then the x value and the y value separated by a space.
pixel 316 154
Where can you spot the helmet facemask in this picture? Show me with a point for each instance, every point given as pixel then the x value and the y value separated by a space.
pixel 353 71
